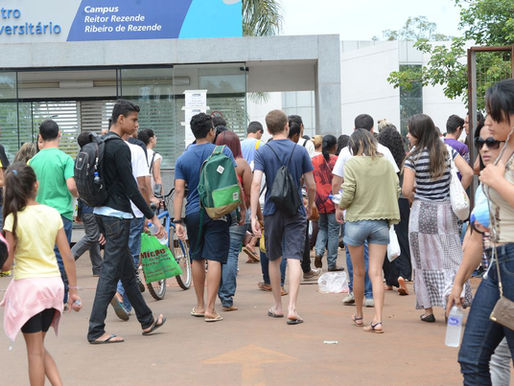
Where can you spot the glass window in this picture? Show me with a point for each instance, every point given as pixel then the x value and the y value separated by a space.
pixel 411 99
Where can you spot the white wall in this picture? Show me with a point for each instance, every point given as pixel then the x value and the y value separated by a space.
pixel 257 111
pixel 364 84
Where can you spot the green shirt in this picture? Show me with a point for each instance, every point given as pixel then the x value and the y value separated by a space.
pixel 53 167
pixel 370 190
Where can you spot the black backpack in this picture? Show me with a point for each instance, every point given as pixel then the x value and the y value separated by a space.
pixel 89 170
pixel 284 191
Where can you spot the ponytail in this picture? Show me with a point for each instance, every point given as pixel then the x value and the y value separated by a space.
pixel 19 187
pixel 329 142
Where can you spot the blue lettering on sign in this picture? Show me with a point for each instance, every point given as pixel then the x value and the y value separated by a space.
pixel 39 28
pixel 156 19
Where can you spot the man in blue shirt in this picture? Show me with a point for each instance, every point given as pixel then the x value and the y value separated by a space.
pixel 214 235
pixel 284 235
pixel 252 142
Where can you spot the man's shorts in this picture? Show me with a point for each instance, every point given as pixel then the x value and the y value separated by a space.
pixel 214 237
pixel 372 231
pixel 39 322
pixel 284 236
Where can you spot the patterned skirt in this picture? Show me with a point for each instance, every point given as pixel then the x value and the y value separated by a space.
pixel 436 253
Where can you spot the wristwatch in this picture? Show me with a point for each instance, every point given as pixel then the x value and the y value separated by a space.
pixel 178 221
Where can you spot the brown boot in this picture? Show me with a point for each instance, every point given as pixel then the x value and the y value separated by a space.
pixel 317 261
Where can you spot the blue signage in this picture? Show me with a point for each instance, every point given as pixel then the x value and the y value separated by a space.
pixel 14 26
pixel 156 19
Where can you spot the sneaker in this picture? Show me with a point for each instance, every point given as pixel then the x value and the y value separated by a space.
pixel 335 269
pixel 349 299
pixel 317 261
pixel 313 274
pixel 368 302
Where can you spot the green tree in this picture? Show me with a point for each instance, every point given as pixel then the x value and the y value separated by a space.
pixel 485 23
pixel 261 17
pixel 415 28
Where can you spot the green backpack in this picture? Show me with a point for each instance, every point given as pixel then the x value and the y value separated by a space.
pixel 218 188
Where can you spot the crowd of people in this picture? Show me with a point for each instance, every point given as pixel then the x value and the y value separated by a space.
pixel 353 193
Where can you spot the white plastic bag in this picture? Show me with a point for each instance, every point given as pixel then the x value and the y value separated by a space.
pixel 393 248
pixel 458 197
pixel 333 282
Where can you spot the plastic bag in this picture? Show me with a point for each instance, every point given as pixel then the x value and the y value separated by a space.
pixel 157 260
pixel 333 282
pixel 393 248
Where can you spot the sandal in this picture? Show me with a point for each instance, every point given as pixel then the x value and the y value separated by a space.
pixel 253 258
pixel 430 318
pixel 373 328
pixel 357 321
pixel 155 325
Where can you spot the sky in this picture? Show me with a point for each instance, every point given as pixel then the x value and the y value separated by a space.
pixel 363 19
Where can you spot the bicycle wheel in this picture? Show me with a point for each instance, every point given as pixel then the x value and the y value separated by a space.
pixel 181 253
pixel 157 289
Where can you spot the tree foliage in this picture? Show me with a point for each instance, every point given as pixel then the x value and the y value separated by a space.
pixel 261 17
pixel 415 28
pixel 485 23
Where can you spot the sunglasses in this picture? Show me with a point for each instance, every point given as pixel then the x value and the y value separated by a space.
pixel 491 143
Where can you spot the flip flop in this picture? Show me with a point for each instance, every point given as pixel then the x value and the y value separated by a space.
pixel 292 321
pixel 155 325
pixel 108 340
pixel 373 328
pixel 357 321
pixel 252 255
pixel 119 310
pixel 230 308
pixel 402 290
pixel 271 314
pixel 197 314
pixel 216 318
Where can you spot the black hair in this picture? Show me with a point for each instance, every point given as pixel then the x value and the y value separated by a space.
pixel 145 135
pixel 364 121
pixel 218 120
pixel 18 189
pixel 254 127
pixel 476 135
pixel 123 107
pixel 84 138
pixel 328 143
pixel 499 100
pixel 295 118
pixel 48 130
pixel 423 129
pixel 453 123
pixel 294 129
pixel 342 142
pixel 392 139
pixel 201 124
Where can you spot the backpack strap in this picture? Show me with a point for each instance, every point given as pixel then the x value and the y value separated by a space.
pixel 278 158
pixel 151 164
pixel 257 144
pixel 218 149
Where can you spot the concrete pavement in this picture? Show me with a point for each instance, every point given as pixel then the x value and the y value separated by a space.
pixel 247 347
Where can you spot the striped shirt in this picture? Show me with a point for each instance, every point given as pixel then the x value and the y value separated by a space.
pixel 428 188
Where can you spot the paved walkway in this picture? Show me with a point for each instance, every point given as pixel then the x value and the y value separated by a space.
pixel 247 348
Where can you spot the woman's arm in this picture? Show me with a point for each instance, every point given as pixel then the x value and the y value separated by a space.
pixel 465 171
pixel 494 177
pixel 246 177
pixel 1 177
pixel 69 266
pixel 349 186
pixel 409 179
pixel 157 171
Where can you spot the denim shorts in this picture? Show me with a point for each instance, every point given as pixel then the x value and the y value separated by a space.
pixel 372 231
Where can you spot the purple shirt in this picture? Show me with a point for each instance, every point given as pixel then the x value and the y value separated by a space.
pixel 461 148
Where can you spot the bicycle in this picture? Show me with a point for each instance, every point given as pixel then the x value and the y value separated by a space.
pixel 179 248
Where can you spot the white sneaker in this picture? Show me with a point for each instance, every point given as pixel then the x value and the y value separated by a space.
pixel 369 302
pixel 349 299
pixel 313 274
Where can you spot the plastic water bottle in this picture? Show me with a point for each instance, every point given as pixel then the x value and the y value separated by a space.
pixel 153 229
pixel 335 198
pixel 454 327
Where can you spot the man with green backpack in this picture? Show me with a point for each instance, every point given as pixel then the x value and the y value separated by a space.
pixel 214 192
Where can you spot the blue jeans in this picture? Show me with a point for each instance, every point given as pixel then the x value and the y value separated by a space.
pixel 67 224
pixel 328 231
pixel 117 265
pixel 227 288
pixel 482 336
pixel 134 243
pixel 265 269
pixel 368 293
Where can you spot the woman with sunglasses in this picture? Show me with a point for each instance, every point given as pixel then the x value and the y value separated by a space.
pixel 434 237
pixel 482 335
pixel 477 247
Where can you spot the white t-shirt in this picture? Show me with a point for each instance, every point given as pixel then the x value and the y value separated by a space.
pixel 309 146
pixel 139 169
pixel 157 157
pixel 345 155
